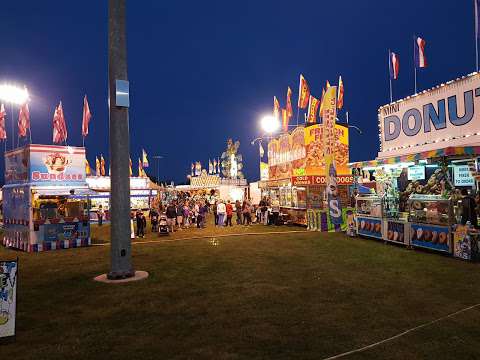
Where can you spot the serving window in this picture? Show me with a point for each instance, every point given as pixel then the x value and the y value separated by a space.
pixel 58 207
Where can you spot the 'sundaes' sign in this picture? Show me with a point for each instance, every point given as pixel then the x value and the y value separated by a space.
pixel 448 115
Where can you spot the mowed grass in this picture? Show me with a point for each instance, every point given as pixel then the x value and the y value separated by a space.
pixel 283 296
pixel 101 234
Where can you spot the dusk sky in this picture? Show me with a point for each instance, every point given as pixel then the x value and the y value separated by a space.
pixel 203 71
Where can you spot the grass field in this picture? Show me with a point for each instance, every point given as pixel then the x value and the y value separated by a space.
pixel 282 296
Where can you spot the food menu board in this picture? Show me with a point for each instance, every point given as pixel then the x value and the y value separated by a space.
pixel 301 152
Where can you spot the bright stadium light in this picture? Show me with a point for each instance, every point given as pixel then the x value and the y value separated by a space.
pixel 13 94
pixel 269 124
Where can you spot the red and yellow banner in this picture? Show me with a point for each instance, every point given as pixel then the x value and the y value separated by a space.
pixel 303 93
pixel 289 103
pixel 276 107
pixel 313 104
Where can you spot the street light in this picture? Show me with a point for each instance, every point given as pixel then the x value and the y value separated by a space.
pixel 158 157
pixel 269 124
pixel 13 95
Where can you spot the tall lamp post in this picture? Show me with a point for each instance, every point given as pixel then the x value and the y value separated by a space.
pixel 13 95
pixel 158 158
pixel 120 247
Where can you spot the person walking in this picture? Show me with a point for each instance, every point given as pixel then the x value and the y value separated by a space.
pixel 221 212
pixel 196 213
pixel 179 210
pixel 229 212
pixel 238 210
pixel 100 214
pixel 171 213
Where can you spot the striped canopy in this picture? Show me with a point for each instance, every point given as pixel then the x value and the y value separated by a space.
pixel 449 151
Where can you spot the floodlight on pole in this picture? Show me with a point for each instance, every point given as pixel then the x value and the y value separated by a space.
pixel 269 124
pixel 13 94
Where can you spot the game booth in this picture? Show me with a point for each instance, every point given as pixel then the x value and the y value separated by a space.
pixel 213 187
pixel 297 176
pixel 143 194
pixel 40 205
pixel 429 149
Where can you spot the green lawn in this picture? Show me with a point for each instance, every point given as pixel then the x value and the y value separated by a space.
pixel 283 296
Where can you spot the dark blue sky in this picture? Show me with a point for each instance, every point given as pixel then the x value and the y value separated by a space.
pixel 203 71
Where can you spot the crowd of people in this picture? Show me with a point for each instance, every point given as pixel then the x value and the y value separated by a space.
pixel 182 214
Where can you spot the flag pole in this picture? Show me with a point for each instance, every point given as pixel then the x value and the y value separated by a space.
pixel 475 3
pixel 298 109
pixel 13 126
pixel 390 74
pixel 414 65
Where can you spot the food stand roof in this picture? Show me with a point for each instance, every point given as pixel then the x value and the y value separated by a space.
pixel 449 151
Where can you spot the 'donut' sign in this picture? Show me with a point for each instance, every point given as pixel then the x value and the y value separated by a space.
pixel 447 115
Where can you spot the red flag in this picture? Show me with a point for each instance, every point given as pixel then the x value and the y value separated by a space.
pixel 285 120
pixel 340 94
pixel 3 132
pixel 59 126
pixel 313 104
pixel 303 93
pixel 289 102
pixel 276 107
pixel 86 117
pixel 23 120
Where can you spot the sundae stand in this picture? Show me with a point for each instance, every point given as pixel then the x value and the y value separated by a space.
pixel 42 210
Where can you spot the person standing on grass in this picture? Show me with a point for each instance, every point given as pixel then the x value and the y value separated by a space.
pixel 215 213
pixel 196 213
pixel 186 215
pixel 179 210
pixel 100 215
pixel 203 215
pixel 275 211
pixel 229 211
pixel 141 223
pixel 263 210
pixel 238 210
pixel 221 211
pixel 171 213
pixel 247 218
pixel 154 219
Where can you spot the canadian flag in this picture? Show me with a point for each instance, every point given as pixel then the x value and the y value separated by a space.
pixel 59 126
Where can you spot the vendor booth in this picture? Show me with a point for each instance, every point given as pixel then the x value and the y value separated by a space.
pixel 40 205
pixel 213 187
pixel 143 194
pixel 297 176
pixel 429 148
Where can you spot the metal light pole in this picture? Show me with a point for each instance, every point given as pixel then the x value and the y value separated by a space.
pixel 158 157
pixel 120 246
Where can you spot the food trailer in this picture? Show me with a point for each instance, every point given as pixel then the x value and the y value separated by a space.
pixel 427 155
pixel 40 209
pixel 297 177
